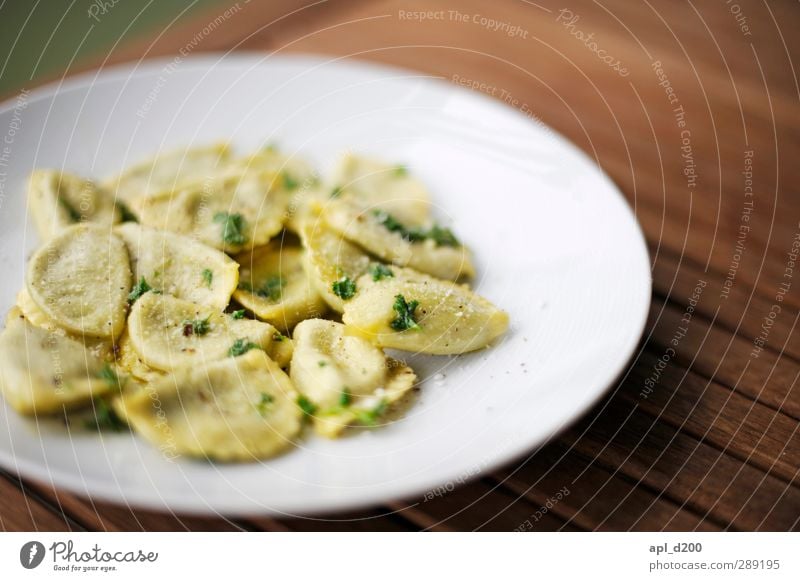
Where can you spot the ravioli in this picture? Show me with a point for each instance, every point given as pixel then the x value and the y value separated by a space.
pixel 237 211
pixel 99 347
pixel 169 333
pixel 331 259
pixel 378 185
pixel 132 363
pixel 169 171
pixel 80 279
pixel 432 249
pixel 303 206
pixel 416 312
pixel 274 286
pixel 42 371
pixel 59 199
pixel 180 266
pixel 32 312
pixel 298 180
pixel 233 410
pixel 346 379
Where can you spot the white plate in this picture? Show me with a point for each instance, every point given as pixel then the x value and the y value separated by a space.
pixel 556 245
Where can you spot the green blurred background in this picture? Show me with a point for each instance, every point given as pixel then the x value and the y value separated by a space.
pixel 39 38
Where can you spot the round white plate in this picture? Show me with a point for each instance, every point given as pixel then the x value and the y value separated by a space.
pixel 555 244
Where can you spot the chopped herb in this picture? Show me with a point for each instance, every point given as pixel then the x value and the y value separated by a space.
pixel 336 192
pixel 208 276
pixel 400 171
pixel 344 288
pixel 272 288
pixel 345 398
pixel 125 212
pixel 246 286
pixel 440 236
pixel 264 403
pixel 322 363
pixel 241 346
pixel 197 327
pixel 306 405
pixel 105 418
pixel 74 215
pixel 109 375
pixel 370 417
pixel 389 222
pixel 138 290
pixel 232 226
pixel 289 182
pixel 238 314
pixel 278 337
pixel 380 271
pixel 405 314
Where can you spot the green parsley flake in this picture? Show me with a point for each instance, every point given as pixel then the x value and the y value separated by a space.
pixel 370 417
pixel 400 171
pixel 208 276
pixel 109 375
pixel 345 398
pixel 405 314
pixel 138 290
pixel 440 236
pixel 306 405
pixel 238 314
pixel 322 363
pixel 197 327
pixel 264 403
pixel 232 227
pixel 389 222
pixel 278 337
pixel 105 418
pixel 380 271
pixel 272 288
pixel 344 288
pixel 241 346
pixel 289 183
pixel 336 192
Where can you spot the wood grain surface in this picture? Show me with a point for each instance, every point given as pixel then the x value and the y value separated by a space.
pixel 693 109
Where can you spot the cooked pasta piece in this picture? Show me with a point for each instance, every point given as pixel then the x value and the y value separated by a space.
pixel 416 312
pixel 237 211
pixel 169 333
pixel 169 171
pixel 42 371
pixel 377 185
pixel 345 379
pixel 434 250
pixel 59 199
pixel 81 279
pixel 180 266
pixel 333 264
pixel 275 287
pixel 240 409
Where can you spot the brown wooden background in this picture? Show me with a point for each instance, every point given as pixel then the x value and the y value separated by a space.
pixel 716 445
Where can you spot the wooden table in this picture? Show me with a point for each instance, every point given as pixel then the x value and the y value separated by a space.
pixel 692 108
